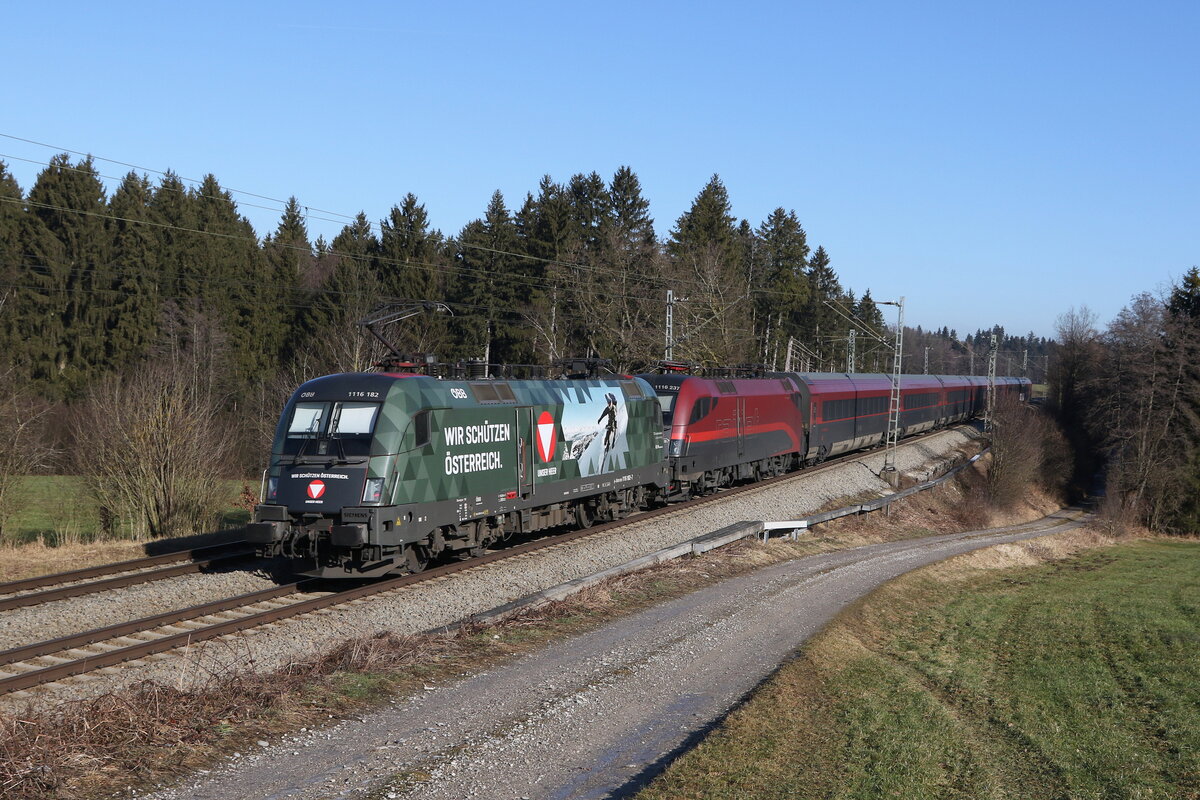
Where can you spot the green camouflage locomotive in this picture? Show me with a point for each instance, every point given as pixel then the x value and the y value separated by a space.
pixel 372 473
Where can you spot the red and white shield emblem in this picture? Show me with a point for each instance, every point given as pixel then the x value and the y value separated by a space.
pixel 546 440
pixel 316 489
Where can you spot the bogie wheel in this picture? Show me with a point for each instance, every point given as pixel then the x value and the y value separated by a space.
pixel 583 515
pixel 608 507
pixel 416 557
pixel 637 498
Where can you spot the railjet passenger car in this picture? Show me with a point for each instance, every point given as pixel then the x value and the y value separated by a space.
pixel 720 431
pixel 372 473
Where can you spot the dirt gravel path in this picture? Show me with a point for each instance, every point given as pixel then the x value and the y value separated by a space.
pixel 594 717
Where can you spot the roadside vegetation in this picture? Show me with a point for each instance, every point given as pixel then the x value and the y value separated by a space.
pixel 983 677
pixel 1128 399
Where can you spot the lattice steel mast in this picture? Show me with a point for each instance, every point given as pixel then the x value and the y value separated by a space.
pixel 893 433
pixel 989 412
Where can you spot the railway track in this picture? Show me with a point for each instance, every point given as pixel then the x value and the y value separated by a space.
pixel 61 585
pixel 40 663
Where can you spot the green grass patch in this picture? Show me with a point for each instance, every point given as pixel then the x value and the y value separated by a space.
pixel 58 509
pixel 1079 679
pixel 53 505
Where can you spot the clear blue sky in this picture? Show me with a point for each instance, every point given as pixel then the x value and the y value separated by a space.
pixel 994 162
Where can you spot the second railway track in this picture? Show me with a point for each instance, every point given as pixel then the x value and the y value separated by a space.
pixel 62 585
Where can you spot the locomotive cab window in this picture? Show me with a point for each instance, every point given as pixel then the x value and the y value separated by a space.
pixel 321 429
pixel 353 419
pixel 308 418
pixel 667 401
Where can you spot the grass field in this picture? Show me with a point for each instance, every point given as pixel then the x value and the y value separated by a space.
pixel 1078 679
pixel 58 509
pixel 51 505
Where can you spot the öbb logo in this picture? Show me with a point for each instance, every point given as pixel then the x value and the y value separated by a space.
pixel 316 489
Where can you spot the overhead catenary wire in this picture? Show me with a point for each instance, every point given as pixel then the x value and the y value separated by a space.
pixel 374 227
pixel 374 258
pixel 448 267
pixel 235 284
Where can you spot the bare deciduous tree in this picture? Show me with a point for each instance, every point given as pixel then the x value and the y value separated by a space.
pixel 1024 442
pixel 154 451
pixel 715 326
pixel 1143 410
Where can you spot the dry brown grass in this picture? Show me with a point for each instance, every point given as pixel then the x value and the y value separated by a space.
pixel 957 505
pixel 38 558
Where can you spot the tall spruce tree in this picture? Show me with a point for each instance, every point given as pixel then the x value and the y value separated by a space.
pixel 821 322
pixel 494 287
pixel 781 290
pixel 134 311
pixel 36 304
pixel 868 312
pixel 409 252
pixel 175 211
pixel 708 227
pixel 229 289
pixel 709 250
pixel 69 201
pixel 12 269
pixel 617 286
pixel 630 225
pixel 411 264
pixel 631 311
pixel 349 293
pixel 289 262
pixel 548 232
pixel 590 206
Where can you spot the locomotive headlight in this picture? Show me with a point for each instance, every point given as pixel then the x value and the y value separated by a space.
pixel 373 490
pixel 272 488
pixel 676 447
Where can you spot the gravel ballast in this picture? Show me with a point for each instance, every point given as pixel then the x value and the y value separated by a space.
pixel 21 626
pixel 449 599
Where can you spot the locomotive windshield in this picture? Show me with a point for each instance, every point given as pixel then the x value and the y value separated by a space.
pixel 331 428
pixel 667 401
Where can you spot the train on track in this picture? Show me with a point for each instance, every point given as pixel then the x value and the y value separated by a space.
pixel 373 473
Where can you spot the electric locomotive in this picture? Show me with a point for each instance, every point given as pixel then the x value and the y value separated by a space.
pixel 373 473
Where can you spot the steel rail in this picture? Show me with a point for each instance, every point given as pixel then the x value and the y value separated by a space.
pixel 36 677
pixel 41 581
pixel 75 590
pixel 70 642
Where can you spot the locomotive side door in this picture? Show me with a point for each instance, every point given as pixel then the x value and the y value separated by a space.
pixel 525 447
pixel 740 413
